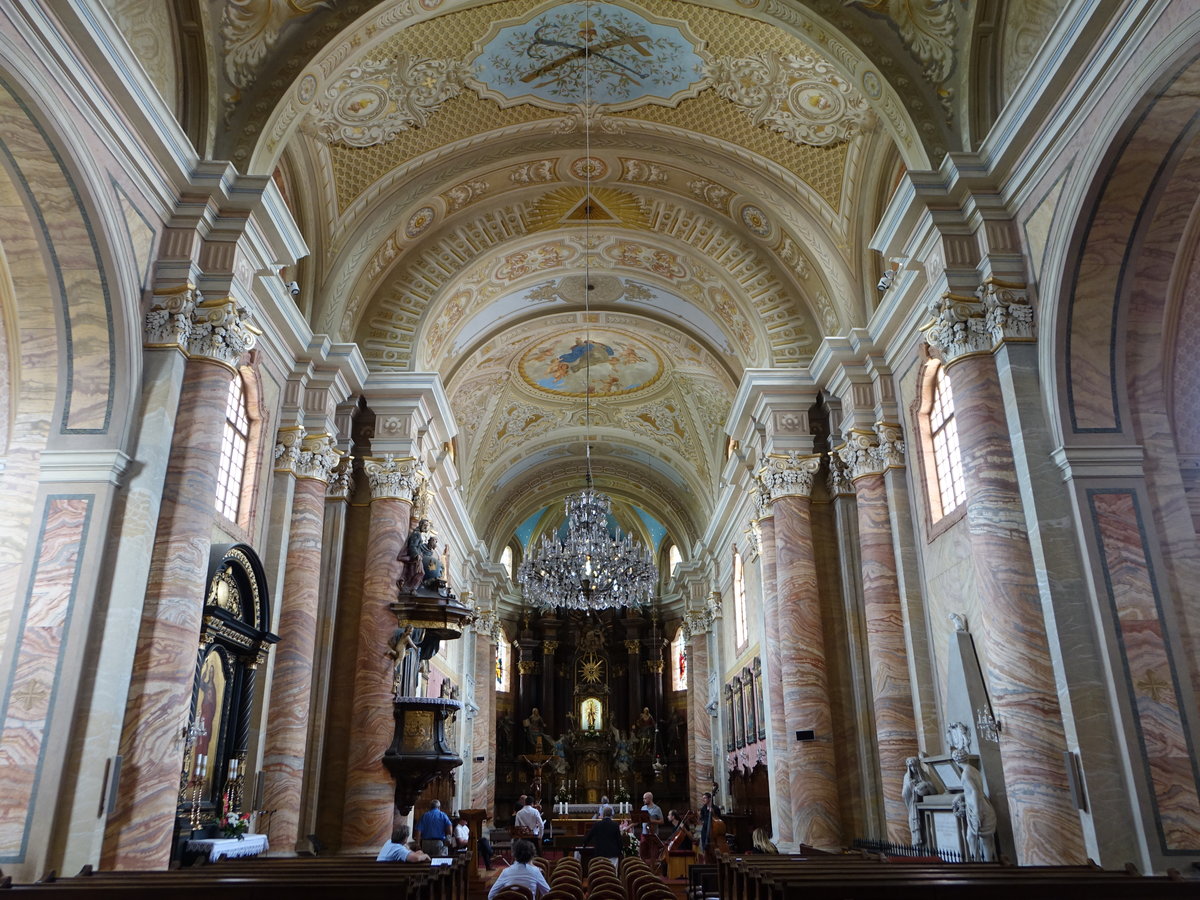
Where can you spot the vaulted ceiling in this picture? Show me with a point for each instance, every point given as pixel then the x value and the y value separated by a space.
pixel 716 168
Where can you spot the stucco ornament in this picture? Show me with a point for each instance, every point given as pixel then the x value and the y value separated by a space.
pixel 800 97
pixel 221 330
pixel 250 28
pixel 789 475
pixel 375 101
pixel 928 27
pixel 959 326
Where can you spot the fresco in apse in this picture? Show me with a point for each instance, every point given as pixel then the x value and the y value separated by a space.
pixel 602 362
pixel 630 60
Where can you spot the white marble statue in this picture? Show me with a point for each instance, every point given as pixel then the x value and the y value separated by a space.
pixel 916 786
pixel 980 815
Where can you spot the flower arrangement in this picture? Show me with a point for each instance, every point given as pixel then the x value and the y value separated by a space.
pixel 622 795
pixel 234 824
pixel 629 837
pixel 563 795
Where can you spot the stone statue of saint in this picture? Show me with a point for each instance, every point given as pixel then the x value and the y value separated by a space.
pixel 431 565
pixel 413 555
pixel 404 652
pixel 535 729
pixel 978 810
pixel 916 786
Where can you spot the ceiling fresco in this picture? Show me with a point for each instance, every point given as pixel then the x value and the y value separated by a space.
pixel 619 204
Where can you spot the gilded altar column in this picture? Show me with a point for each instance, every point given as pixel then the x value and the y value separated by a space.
pixel 310 461
pixel 368 810
pixel 781 791
pixel 867 458
pixel 214 334
pixel 1020 675
pixel 812 773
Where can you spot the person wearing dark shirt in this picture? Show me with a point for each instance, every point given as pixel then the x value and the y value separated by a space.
pixel 605 836
pixel 681 835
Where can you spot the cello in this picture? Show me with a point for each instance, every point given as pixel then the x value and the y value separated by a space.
pixel 686 824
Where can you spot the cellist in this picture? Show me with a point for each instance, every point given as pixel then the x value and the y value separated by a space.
pixel 681 835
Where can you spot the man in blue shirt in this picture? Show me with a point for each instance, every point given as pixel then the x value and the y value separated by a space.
pixel 396 850
pixel 435 830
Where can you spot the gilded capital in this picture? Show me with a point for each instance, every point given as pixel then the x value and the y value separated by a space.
pixel 391 478
pixel 839 475
pixel 549 647
pixel 169 321
pixel 341 479
pixel 959 327
pixel 1009 313
pixel 318 457
pixel 860 454
pixel 633 647
pixel 287 448
pixel 891 448
pixel 789 475
pixel 221 331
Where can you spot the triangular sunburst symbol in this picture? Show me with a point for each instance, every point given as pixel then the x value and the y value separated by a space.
pixel 578 206
pixel 590 210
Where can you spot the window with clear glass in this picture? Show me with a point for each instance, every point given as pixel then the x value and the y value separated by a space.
pixel 679 662
pixel 503 662
pixel 234 444
pixel 506 559
pixel 739 600
pixel 674 558
pixel 943 440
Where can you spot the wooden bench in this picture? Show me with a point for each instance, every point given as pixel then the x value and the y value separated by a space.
pixel 361 878
pixel 771 877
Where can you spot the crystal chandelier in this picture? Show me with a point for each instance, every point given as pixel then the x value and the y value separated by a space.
pixel 588 567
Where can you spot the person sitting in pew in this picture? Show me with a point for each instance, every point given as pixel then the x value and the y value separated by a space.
pixel 521 873
pixel 762 842
pixel 396 850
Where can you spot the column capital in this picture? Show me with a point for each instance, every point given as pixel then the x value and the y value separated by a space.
pixel 168 324
pixel 549 647
pixel 839 475
pixel 633 647
pixel 318 457
pixel 860 453
pixel 959 327
pixel 287 448
pixel 1009 313
pixel 891 448
pixel 393 478
pixel 341 479
pixel 789 475
pixel 221 330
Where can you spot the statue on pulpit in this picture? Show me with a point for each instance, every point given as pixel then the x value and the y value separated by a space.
pixel 412 556
pixel 405 655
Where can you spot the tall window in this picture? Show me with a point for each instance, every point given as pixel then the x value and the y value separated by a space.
pixel 943 439
pixel 673 559
pixel 506 560
pixel 678 662
pixel 739 600
pixel 503 661
pixel 233 452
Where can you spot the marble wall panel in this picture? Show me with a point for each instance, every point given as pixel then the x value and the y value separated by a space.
pixel 78 279
pixel 34 666
pixel 1151 677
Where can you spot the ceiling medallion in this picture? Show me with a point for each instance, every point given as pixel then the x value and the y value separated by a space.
pixel 602 363
pixel 618 57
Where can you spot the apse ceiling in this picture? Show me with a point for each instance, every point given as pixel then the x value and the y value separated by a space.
pixel 715 168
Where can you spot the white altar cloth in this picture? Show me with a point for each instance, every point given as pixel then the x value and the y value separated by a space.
pixel 215 848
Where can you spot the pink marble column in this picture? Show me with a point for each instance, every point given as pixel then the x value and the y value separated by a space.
pixel 291 683
pixel 895 721
pixel 369 805
pixel 1020 676
pixel 812 771
pixel 138 833
pixel 781 789
pixel 700 724
pixel 483 734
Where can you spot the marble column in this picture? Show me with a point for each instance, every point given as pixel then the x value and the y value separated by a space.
pixel 138 833
pixel 483 735
pixel 895 722
pixel 781 790
pixel 291 685
pixel 1020 675
pixel 812 771
pixel 369 804
pixel 700 719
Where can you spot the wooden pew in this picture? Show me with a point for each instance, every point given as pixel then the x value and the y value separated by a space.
pixel 360 878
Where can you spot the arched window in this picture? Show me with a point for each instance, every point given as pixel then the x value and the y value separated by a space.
pixel 503 661
pixel 946 490
pixel 739 600
pixel 234 445
pixel 674 558
pixel 506 558
pixel 679 662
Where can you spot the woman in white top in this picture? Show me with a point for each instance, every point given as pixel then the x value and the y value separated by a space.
pixel 521 873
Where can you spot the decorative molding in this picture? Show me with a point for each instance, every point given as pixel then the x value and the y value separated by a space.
pixel 1009 313
pixel 341 480
pixel 860 454
pixel 928 28
pixel 250 29
pixel 318 457
pixel 393 479
pixel 375 101
pixel 287 448
pixel 789 475
pixel 800 97
pixel 633 647
pixel 959 327
pixel 169 321
pixel 839 474
pixel 891 448
pixel 82 466
pixel 221 331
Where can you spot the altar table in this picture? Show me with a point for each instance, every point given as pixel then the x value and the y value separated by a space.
pixel 215 848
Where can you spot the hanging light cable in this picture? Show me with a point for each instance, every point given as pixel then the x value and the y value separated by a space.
pixel 589 567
